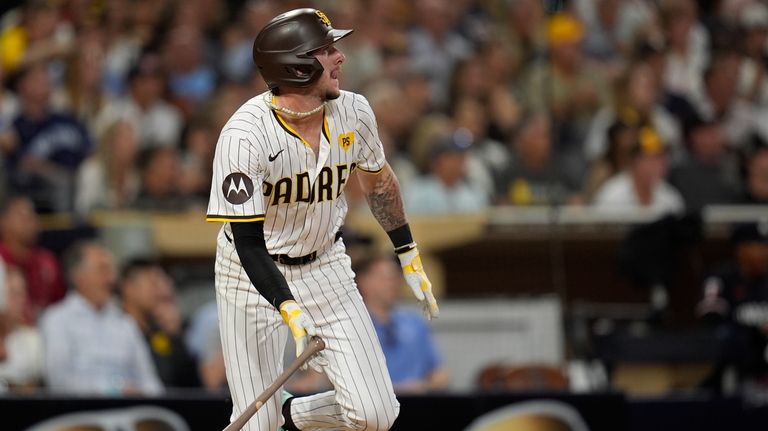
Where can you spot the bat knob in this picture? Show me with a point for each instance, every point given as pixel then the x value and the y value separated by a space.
pixel 318 341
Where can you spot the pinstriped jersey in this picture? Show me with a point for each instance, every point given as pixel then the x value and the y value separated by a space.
pixel 264 170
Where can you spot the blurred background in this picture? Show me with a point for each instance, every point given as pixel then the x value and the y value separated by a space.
pixel 587 181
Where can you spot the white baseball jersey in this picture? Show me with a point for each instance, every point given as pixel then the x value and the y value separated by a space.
pixel 301 200
pixel 263 170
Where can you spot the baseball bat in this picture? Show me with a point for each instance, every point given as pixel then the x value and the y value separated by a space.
pixel 315 345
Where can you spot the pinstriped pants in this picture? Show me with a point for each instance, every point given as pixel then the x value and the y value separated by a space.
pixel 254 336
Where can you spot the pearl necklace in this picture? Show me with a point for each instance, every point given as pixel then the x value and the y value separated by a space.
pixel 269 97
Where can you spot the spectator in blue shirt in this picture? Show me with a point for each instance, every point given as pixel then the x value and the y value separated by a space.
pixel 413 360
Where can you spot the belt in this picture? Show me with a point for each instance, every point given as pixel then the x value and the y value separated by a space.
pixel 288 260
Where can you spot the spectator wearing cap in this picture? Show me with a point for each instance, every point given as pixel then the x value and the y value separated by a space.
pixel 735 301
pixel 642 185
pixel 445 189
pixel 157 122
pixel 568 87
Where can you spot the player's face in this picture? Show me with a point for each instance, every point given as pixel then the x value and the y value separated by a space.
pixel 331 59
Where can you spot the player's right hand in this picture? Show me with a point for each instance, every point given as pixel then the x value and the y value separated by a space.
pixel 300 324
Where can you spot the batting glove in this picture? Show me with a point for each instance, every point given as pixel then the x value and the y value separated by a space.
pixel 300 324
pixel 417 279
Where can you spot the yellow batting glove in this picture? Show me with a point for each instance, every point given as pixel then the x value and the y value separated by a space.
pixel 417 279
pixel 299 323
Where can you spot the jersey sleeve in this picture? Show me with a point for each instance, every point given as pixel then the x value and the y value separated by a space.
pixel 238 174
pixel 370 155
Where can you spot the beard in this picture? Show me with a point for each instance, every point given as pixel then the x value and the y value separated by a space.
pixel 331 94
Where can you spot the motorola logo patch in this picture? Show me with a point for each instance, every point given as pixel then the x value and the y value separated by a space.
pixel 237 188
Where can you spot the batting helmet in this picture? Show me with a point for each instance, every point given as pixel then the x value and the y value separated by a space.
pixel 281 49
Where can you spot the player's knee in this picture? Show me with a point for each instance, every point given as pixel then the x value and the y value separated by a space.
pixel 378 417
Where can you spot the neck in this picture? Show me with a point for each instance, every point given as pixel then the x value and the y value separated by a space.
pixel 643 190
pixel 296 106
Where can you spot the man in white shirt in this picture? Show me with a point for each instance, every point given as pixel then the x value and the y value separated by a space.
pixel 91 346
pixel 642 186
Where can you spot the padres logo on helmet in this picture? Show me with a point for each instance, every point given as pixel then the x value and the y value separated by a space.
pixel 282 48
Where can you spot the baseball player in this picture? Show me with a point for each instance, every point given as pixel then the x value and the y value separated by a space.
pixel 279 172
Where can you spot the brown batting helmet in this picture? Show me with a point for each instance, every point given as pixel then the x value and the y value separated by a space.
pixel 282 48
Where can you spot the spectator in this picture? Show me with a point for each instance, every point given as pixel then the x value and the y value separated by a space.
pixel 19 230
pixel 637 96
pixel 91 346
pixel 109 178
pixel 82 92
pixel 719 101
pixel 160 175
pixel 196 162
pixel 642 185
pixel 687 48
pixel 156 121
pixel 568 87
pixel 753 74
pixel 21 366
pixel 524 33
pixel 709 175
pixel 536 174
pixel 49 146
pixel 756 175
pixel 445 189
pixel 487 158
pixel 734 300
pixel 39 34
pixel 190 80
pixel 147 296
pixel 435 46
pixel 413 360
pixel 621 140
pixel 204 344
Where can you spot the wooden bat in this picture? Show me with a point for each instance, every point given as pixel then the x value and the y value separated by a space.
pixel 315 345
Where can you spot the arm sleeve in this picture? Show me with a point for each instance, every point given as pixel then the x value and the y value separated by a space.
pixel 370 155
pixel 258 264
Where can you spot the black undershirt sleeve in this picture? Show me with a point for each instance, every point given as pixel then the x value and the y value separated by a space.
pixel 258 264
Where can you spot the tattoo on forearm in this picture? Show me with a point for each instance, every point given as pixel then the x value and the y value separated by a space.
pixel 386 203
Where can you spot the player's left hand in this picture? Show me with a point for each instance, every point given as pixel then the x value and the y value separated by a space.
pixel 302 329
pixel 417 279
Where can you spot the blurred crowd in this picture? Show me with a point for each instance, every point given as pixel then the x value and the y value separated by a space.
pixel 614 103
pixel 117 104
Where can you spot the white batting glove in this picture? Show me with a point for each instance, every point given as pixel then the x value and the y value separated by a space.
pixel 417 279
pixel 300 324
